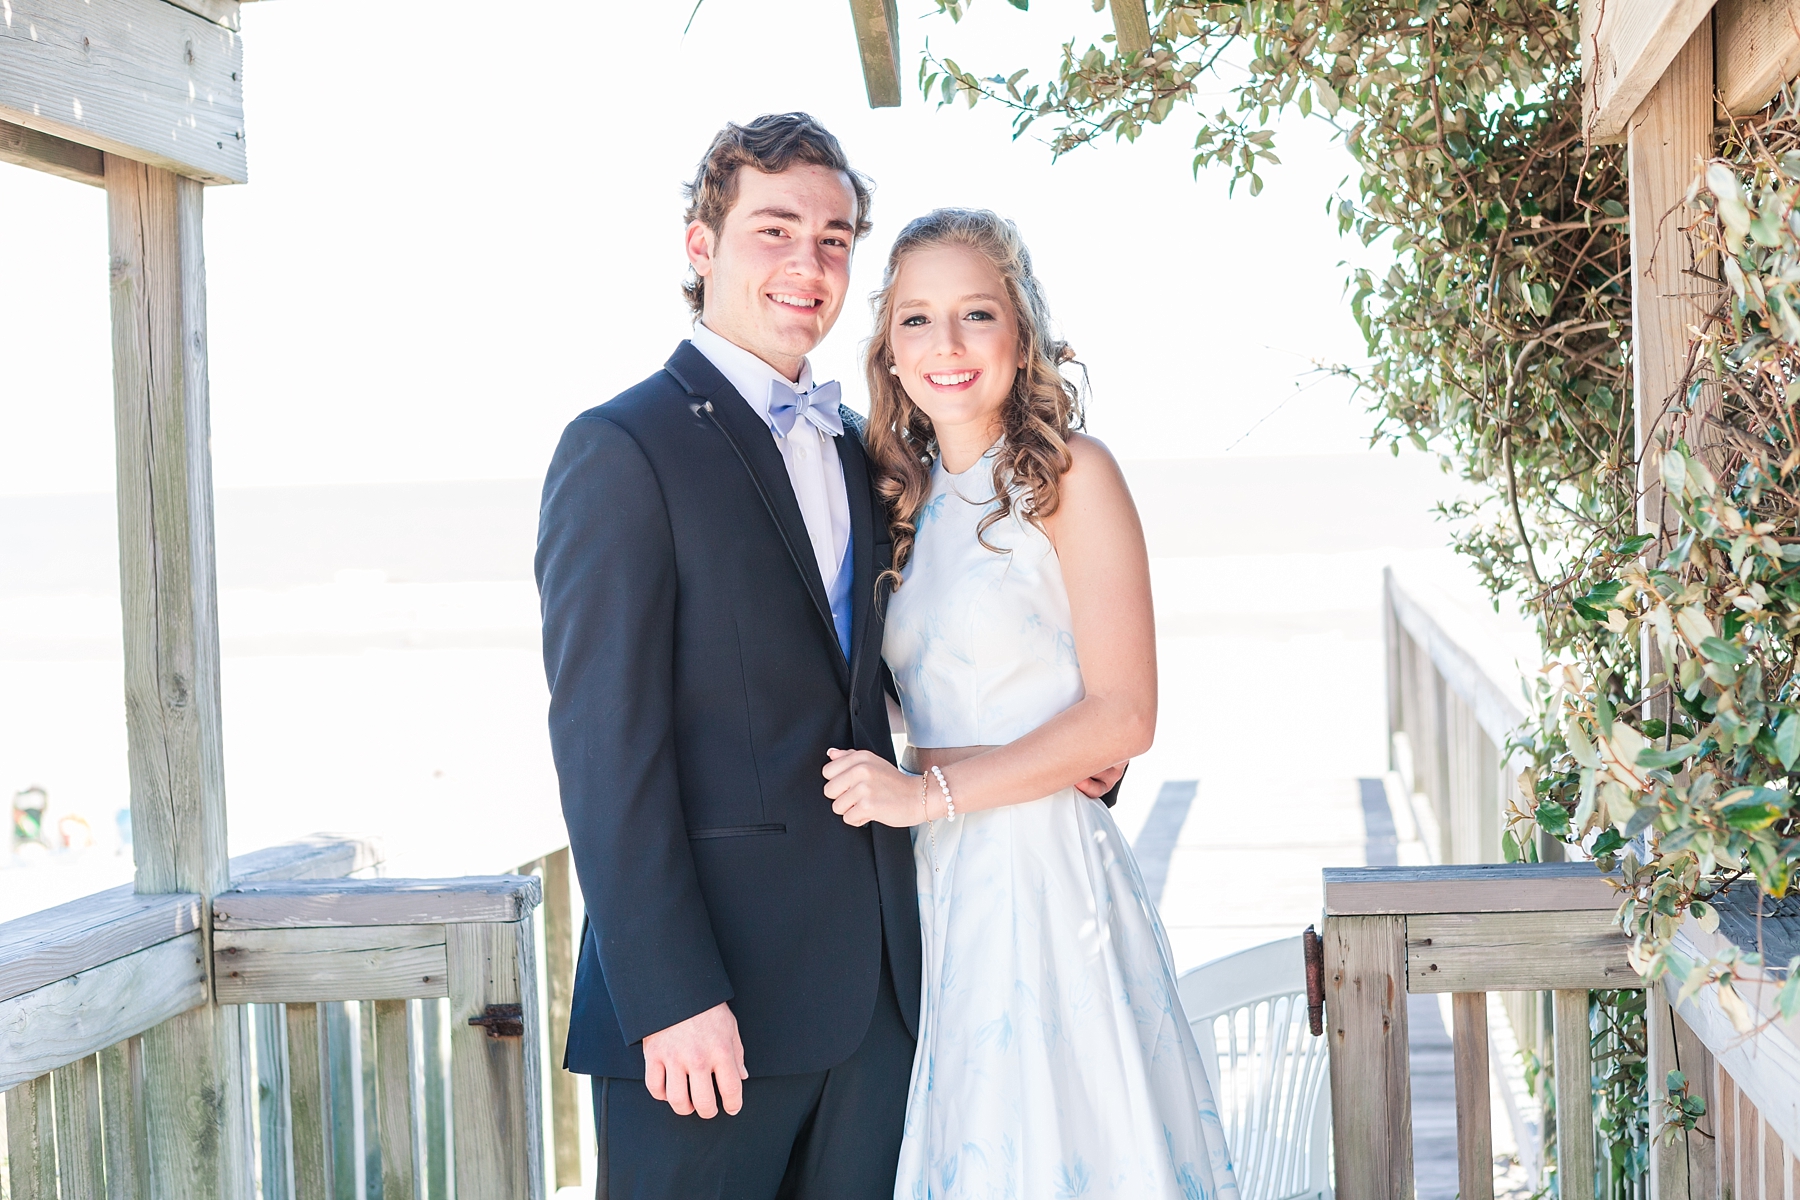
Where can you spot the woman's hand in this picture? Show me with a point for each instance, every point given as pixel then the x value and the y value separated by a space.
pixel 862 787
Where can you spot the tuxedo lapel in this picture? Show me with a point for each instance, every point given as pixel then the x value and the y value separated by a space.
pixel 862 549
pixel 755 447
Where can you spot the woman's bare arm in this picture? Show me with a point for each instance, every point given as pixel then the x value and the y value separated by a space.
pixel 1106 570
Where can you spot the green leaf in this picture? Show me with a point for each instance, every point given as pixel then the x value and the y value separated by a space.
pixel 1553 818
pixel 1609 842
pixel 1653 758
pixel 1787 740
pixel 1760 808
pixel 1721 651
pixel 1599 598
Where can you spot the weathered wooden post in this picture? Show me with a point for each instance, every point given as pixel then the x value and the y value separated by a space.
pixel 1371 1080
pixel 195 1087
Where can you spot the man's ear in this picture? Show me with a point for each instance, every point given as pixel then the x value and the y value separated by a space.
pixel 699 245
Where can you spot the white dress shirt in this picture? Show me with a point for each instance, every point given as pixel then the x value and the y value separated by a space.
pixel 813 467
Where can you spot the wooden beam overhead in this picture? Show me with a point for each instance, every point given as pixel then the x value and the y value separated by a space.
pixel 878 42
pixel 54 155
pixel 140 79
pixel 1625 48
pixel 1131 26
pixel 1756 49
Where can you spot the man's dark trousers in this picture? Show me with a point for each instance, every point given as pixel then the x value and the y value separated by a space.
pixel 824 1135
pixel 696 685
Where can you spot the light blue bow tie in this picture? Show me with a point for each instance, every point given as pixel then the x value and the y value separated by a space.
pixel 820 406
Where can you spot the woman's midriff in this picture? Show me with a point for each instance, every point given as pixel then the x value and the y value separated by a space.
pixel 923 758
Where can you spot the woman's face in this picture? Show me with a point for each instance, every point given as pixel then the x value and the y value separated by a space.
pixel 955 338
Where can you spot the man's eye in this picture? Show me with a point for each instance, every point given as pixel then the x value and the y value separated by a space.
pixel 776 232
pixel 913 320
pixel 839 242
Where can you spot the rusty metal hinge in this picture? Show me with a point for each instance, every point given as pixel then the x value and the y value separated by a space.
pixel 1313 947
pixel 502 1020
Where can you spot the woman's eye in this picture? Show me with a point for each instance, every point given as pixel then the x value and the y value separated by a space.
pixel 908 322
pixel 981 314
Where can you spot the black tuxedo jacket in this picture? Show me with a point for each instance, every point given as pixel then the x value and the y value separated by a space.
pixel 696 682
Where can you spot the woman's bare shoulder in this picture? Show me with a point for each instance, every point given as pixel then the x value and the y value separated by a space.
pixel 1093 474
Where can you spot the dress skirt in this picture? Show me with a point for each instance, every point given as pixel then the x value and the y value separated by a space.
pixel 1054 1059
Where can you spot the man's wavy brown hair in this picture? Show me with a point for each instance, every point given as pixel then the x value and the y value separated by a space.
pixel 1041 411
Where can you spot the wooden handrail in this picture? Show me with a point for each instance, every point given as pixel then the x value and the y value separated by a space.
pixel 1468 888
pixel 317 903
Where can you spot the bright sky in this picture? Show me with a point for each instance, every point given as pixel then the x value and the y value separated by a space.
pixel 462 230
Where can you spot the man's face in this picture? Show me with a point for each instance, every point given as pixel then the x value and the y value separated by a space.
pixel 777 272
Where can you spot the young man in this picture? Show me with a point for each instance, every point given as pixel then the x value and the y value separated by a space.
pixel 708 549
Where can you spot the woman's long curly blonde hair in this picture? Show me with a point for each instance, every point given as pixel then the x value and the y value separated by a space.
pixel 1036 419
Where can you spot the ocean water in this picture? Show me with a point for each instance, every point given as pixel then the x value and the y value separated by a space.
pixel 381 671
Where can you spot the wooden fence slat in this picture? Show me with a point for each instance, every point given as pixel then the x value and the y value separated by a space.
pixel 394 1100
pixel 272 1103
pixel 31 1140
pixel 1695 1061
pixel 559 986
pixel 495 1085
pixel 1668 1163
pixel 1574 1096
pixel 122 1112
pixel 344 1057
pixel 1474 1104
pixel 308 1108
pixel 1371 1101
pixel 1725 1122
pixel 80 1158
pixel 438 1133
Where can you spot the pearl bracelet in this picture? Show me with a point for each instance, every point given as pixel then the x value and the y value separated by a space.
pixel 949 804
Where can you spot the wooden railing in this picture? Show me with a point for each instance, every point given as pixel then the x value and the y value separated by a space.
pixel 1472 930
pixel 394 1028
pixel 1466 930
pixel 1454 700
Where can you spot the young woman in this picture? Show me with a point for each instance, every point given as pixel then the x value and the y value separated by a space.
pixel 1053 1056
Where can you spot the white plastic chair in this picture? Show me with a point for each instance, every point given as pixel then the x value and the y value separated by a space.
pixel 1268 1070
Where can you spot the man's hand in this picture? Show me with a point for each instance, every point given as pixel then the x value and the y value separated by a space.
pixel 682 1061
pixel 1096 786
